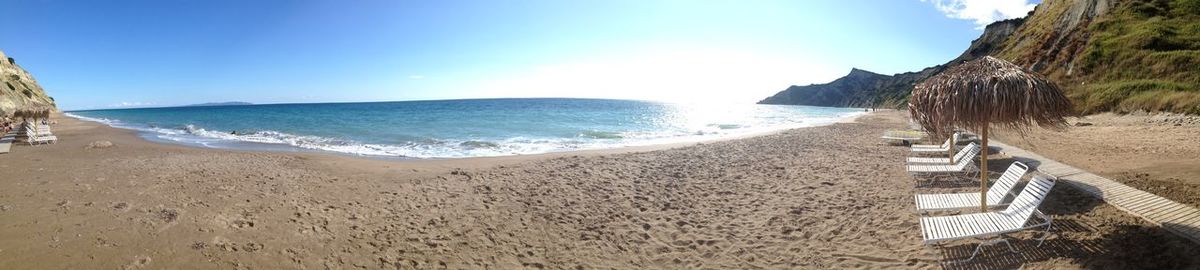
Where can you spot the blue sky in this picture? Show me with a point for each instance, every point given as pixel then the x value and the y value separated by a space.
pixel 101 54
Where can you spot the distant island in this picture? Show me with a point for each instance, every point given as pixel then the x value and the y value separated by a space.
pixel 231 103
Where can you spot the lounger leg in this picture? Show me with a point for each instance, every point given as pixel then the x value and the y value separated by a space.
pixel 936 177
pixel 1010 247
pixel 979 248
pixel 1046 232
pixel 919 177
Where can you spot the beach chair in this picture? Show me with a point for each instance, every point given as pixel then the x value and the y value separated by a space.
pixel 6 143
pixel 902 136
pixel 945 146
pixel 1016 217
pixel 996 194
pixel 935 149
pixel 49 139
pixel 962 153
pixel 965 166
pixel 33 137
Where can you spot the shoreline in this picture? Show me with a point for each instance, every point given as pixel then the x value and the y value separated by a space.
pixel 614 150
pixel 820 197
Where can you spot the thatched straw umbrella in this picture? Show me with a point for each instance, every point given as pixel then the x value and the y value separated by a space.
pixel 988 92
pixel 33 112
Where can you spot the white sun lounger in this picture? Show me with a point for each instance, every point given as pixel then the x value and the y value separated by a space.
pixel 996 194
pixel 945 146
pixel 44 139
pixel 903 135
pixel 963 166
pixel 938 230
pixel 935 149
pixel 33 137
pixel 941 160
pixel 6 144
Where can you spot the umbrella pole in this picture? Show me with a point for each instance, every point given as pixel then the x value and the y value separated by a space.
pixel 983 170
pixel 950 150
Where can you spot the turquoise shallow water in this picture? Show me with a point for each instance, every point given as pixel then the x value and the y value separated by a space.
pixel 457 128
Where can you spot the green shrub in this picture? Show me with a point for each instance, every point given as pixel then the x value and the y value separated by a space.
pixel 1128 96
pixel 1162 100
pixel 1185 7
pixel 1150 8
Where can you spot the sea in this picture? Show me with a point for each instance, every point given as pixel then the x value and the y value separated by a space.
pixel 458 128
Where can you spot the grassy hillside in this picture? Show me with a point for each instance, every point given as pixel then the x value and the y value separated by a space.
pixel 1108 55
pixel 1146 56
pixel 1140 55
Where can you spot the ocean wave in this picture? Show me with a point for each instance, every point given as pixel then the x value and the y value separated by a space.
pixel 85 118
pixel 727 126
pixel 457 148
pixel 193 135
pixel 600 135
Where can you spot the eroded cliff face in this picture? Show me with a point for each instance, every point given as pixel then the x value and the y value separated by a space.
pixel 994 37
pixel 1115 55
pixel 18 89
pixel 1056 33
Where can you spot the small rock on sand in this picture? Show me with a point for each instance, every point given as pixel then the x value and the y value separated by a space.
pixel 100 145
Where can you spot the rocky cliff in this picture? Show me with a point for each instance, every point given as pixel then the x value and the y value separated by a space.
pixel 887 91
pixel 18 89
pixel 840 92
pixel 1107 55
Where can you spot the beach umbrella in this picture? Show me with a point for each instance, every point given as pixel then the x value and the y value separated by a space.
pixel 984 93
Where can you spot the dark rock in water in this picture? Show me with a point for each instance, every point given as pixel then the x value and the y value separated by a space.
pixel 1082 124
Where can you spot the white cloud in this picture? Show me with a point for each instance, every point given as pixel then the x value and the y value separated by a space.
pixel 983 12
pixel 416 77
pixel 127 104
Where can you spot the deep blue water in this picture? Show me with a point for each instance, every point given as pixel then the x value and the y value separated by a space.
pixel 458 128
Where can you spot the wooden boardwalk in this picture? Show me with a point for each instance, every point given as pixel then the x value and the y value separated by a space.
pixel 1181 219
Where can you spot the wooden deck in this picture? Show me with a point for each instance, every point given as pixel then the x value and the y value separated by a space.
pixel 1181 219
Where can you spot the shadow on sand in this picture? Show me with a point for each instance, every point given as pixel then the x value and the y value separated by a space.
pixel 1121 246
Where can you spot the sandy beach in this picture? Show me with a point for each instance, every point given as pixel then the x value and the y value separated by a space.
pixel 1156 153
pixel 811 198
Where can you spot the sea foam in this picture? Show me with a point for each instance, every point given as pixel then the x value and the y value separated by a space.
pixel 453 130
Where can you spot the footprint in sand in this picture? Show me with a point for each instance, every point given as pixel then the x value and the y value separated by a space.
pixel 167 215
pixel 242 224
pixel 121 206
pixel 139 262
pixel 236 223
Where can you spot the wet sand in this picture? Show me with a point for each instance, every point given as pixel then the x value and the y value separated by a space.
pixel 821 197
